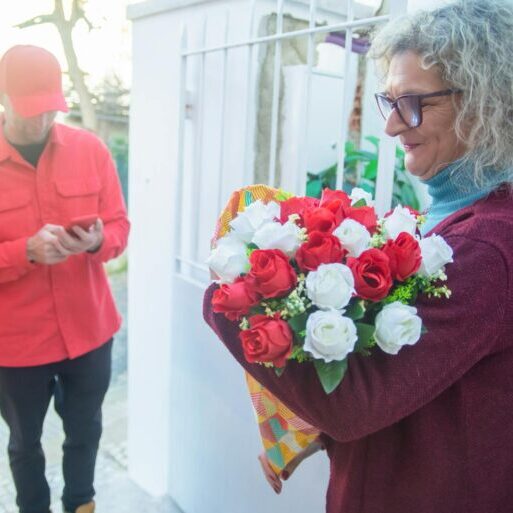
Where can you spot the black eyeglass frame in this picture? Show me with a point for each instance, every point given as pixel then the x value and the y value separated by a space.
pixel 419 97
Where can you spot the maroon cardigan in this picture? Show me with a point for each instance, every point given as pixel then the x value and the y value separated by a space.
pixel 431 429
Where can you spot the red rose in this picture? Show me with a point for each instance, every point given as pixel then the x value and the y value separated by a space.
pixel 372 276
pixel 268 339
pixel 234 300
pixel 364 215
pixel 297 205
pixel 321 248
pixel 320 220
pixel 337 202
pixel 271 274
pixel 404 254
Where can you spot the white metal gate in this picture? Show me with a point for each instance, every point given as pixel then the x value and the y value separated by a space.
pixel 190 249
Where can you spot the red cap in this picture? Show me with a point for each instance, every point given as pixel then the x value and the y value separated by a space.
pixel 32 79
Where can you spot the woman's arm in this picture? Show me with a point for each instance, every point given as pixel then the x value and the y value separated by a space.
pixel 379 390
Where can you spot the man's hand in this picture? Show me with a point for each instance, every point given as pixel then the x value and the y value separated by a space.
pixel 83 240
pixel 45 248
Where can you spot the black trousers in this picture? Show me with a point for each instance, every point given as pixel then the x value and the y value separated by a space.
pixel 78 387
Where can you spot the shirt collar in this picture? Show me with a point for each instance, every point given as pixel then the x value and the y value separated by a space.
pixel 7 151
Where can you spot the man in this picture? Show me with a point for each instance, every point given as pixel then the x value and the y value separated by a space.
pixel 57 314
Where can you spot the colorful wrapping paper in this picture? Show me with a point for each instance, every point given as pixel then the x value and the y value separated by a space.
pixel 283 433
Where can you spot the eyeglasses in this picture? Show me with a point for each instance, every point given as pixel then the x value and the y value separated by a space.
pixel 408 106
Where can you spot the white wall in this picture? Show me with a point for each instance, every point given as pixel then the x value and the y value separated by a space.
pixel 191 433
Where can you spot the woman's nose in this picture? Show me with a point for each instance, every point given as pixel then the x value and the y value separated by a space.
pixel 394 125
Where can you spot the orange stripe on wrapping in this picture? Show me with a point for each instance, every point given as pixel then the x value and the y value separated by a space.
pixel 298 433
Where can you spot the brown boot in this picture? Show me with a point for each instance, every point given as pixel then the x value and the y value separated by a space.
pixel 85 508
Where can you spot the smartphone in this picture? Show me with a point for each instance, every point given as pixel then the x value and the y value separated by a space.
pixel 85 222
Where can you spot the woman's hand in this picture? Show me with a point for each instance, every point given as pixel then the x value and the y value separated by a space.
pixel 275 480
pixel 269 473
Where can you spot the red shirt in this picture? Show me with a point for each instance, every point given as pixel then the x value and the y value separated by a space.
pixel 430 429
pixel 52 312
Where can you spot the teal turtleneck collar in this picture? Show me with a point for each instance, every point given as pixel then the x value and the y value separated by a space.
pixel 450 192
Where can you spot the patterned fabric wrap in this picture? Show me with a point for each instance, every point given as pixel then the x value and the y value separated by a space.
pixel 283 433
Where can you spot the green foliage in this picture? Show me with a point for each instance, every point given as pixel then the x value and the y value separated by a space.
pixel 355 310
pixel 118 146
pixel 250 248
pixel 360 170
pixel 279 371
pixel 365 337
pixel 298 323
pixel 330 374
pixel 405 292
pixel 299 355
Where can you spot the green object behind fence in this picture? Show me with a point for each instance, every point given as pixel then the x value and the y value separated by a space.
pixel 360 170
pixel 118 146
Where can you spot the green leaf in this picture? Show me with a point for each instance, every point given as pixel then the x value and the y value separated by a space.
pixel 349 147
pixel 279 371
pixel 365 334
pixel 327 176
pixel 371 170
pixel 373 140
pixel 330 374
pixel 298 323
pixel 360 203
pixel 355 310
pixel 257 310
pixel 423 330
pixel 314 188
pixel 367 155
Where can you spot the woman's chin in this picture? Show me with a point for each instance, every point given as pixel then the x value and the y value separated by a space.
pixel 416 168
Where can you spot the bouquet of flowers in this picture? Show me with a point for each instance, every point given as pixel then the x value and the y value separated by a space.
pixel 316 280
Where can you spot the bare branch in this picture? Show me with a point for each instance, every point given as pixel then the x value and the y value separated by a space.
pixel 37 20
pixel 78 13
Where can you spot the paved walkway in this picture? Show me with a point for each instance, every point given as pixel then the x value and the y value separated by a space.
pixel 115 492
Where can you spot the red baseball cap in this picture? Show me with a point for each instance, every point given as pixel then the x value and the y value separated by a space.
pixel 32 79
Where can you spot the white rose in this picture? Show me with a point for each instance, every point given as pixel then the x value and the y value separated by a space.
pixel 228 259
pixel 435 254
pixel 252 218
pixel 400 220
pixel 330 286
pixel 358 194
pixel 286 237
pixel 329 335
pixel 353 236
pixel 397 325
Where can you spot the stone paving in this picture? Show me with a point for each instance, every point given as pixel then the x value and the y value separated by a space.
pixel 116 493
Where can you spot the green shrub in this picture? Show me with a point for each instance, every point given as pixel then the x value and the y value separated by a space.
pixel 360 170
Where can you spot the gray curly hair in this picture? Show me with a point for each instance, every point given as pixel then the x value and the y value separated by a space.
pixel 471 43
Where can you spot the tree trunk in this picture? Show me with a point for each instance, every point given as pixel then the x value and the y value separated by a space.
pixel 65 28
pixel 89 119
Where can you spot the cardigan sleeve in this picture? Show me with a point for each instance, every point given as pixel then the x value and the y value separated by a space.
pixel 379 390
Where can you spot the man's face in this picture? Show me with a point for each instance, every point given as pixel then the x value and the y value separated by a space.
pixel 20 130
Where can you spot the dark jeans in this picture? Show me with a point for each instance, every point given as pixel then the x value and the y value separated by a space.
pixel 78 387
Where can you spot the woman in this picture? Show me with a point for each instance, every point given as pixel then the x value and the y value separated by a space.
pixel 429 430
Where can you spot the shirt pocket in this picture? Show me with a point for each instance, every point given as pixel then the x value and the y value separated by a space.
pixel 78 198
pixel 16 215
